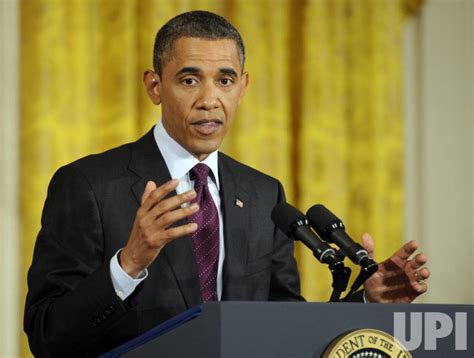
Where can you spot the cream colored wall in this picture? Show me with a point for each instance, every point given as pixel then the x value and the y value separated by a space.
pixel 9 248
pixel 439 145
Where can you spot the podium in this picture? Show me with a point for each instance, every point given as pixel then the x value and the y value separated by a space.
pixel 291 329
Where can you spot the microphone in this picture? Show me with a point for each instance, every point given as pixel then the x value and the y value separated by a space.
pixel 295 225
pixel 331 229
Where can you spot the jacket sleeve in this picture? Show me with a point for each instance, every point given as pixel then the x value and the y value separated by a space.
pixel 71 301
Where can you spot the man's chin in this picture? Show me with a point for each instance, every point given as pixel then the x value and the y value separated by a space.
pixel 202 150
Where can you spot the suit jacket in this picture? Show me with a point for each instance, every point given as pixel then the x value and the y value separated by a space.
pixel 72 308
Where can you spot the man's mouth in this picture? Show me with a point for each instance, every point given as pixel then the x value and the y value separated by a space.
pixel 206 126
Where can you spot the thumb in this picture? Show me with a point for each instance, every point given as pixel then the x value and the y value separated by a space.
pixel 368 244
pixel 150 186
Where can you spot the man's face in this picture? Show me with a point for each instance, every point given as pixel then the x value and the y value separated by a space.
pixel 200 88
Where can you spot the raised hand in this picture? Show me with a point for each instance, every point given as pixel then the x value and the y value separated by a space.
pixel 151 229
pixel 398 279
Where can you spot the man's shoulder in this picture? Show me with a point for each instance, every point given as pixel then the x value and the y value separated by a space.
pixel 101 167
pixel 111 162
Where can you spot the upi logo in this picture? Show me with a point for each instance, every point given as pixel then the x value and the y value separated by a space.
pixel 435 326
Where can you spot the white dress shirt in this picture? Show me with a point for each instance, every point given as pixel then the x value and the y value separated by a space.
pixel 179 162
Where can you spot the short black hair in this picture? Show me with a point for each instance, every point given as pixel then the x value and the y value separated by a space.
pixel 197 24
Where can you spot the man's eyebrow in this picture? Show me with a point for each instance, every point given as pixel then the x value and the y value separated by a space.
pixel 228 71
pixel 196 70
pixel 190 70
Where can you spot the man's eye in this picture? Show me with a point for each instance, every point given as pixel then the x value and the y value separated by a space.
pixel 189 81
pixel 226 81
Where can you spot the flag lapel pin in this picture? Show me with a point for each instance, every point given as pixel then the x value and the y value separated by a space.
pixel 239 203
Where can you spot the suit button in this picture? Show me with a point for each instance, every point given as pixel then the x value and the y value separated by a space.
pixel 107 312
pixel 96 322
pixel 112 308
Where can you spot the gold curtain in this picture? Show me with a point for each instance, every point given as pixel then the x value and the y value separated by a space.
pixel 322 113
pixel 351 132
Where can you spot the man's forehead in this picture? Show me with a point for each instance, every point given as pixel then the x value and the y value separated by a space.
pixel 195 52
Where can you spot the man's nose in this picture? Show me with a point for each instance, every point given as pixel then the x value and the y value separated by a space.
pixel 208 97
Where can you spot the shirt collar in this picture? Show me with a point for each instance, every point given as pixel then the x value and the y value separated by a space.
pixel 178 160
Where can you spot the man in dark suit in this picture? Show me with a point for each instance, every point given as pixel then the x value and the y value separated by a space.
pixel 121 244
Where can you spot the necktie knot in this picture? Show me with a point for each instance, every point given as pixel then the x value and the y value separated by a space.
pixel 199 174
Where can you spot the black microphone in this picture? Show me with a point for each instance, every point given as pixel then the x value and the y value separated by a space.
pixel 331 229
pixel 295 225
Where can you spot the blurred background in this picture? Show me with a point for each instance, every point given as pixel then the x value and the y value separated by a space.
pixel 363 105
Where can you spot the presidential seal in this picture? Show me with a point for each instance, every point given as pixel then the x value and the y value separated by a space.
pixel 366 343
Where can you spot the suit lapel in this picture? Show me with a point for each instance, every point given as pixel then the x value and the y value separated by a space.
pixel 236 212
pixel 148 163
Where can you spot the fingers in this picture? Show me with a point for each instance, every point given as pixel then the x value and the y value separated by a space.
pixel 407 250
pixel 368 244
pixel 175 232
pixel 424 273
pixel 418 261
pixel 150 186
pixel 417 278
pixel 159 238
pixel 421 259
pixel 151 229
pixel 157 194
pixel 420 275
pixel 398 288
pixel 416 274
pixel 401 279
pixel 161 213
pixel 170 217
pixel 157 229
pixel 402 293
pixel 420 285
pixel 401 256
pixel 408 267
pixel 171 203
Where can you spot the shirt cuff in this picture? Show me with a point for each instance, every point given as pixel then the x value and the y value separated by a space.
pixel 123 283
pixel 363 297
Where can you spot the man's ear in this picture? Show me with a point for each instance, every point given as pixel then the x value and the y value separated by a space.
pixel 245 82
pixel 152 83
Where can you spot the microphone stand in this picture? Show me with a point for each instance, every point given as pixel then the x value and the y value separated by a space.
pixel 368 268
pixel 340 275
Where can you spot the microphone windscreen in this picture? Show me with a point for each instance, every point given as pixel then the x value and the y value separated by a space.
pixel 285 215
pixel 321 219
